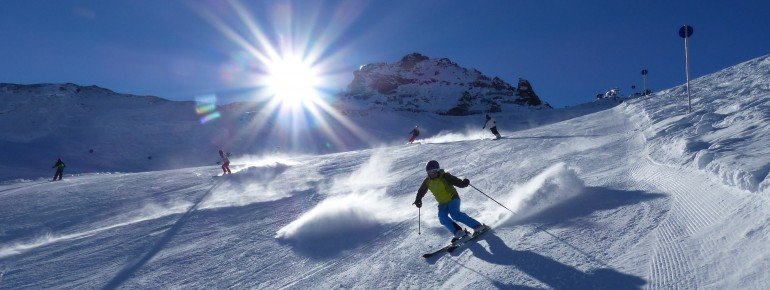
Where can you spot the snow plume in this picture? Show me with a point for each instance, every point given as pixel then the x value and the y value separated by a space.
pixel 149 211
pixel 261 161
pixel 446 137
pixel 554 185
pixel 339 218
pixel 374 174
pixel 356 212
pixel 249 185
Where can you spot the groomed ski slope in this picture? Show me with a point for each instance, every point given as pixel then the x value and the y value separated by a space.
pixel 597 207
pixel 617 220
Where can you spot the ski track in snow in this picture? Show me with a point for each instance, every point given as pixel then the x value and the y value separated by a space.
pixel 696 205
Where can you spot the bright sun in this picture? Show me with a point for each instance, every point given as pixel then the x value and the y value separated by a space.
pixel 292 81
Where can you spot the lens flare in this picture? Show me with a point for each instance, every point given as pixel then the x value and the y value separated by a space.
pixel 209 117
pixel 292 81
pixel 290 56
pixel 206 106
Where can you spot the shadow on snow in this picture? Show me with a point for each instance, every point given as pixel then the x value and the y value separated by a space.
pixel 549 271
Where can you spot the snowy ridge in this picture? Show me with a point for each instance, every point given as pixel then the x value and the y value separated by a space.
pixel 730 117
pixel 95 130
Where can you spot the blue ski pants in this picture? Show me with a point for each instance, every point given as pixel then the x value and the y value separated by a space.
pixel 452 208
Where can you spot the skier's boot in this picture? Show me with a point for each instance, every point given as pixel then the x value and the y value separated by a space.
pixel 459 235
pixel 480 229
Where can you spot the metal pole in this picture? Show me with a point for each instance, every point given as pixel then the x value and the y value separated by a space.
pixel 687 68
pixel 513 212
pixel 419 224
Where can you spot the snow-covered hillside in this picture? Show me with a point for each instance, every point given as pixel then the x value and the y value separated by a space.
pixel 418 83
pixel 728 131
pixel 600 199
pixel 97 130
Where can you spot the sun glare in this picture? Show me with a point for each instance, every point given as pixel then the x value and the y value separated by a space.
pixel 290 70
pixel 292 81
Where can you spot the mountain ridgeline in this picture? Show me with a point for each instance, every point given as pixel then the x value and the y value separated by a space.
pixel 96 129
pixel 418 83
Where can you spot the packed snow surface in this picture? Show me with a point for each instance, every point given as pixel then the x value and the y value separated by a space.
pixel 634 195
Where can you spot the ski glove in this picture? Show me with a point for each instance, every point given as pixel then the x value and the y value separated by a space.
pixel 465 183
pixel 417 203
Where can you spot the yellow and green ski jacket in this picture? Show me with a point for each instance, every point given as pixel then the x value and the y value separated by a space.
pixel 442 187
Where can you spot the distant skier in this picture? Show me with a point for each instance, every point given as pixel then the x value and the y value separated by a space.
pixel 59 169
pixel 225 162
pixel 442 185
pixel 493 127
pixel 415 132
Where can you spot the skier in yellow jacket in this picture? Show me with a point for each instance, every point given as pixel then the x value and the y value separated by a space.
pixel 442 185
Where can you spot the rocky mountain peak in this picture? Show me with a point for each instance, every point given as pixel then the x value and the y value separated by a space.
pixel 419 83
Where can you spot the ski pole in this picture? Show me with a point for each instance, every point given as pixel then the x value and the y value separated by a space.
pixel 493 199
pixel 418 221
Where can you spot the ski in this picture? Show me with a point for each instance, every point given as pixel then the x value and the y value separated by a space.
pixel 444 248
pixel 440 250
pixel 453 246
pixel 462 242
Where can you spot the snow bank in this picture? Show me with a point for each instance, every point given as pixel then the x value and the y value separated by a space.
pixel 727 132
pixel 554 185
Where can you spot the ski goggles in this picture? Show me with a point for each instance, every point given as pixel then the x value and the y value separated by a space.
pixel 433 173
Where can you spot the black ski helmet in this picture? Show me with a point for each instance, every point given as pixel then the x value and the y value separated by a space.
pixel 433 164
pixel 488 117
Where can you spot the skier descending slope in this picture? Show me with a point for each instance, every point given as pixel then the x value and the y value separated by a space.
pixel 415 132
pixel 59 169
pixel 442 184
pixel 225 162
pixel 493 127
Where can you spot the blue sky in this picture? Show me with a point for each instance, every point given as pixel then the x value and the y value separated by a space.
pixel 569 50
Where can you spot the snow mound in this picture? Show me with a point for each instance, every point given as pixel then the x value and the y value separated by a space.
pixel 554 185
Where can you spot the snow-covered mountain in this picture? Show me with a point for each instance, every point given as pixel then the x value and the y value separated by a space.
pixel 634 195
pixel 97 130
pixel 418 83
